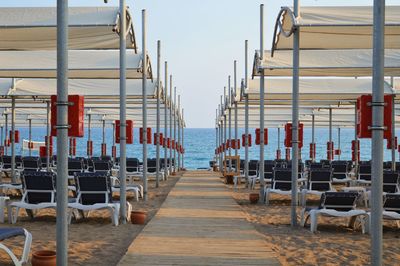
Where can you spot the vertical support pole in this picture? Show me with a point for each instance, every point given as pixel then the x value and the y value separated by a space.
pixel 279 140
pixel 339 141
pixel 158 114
pixel 2 136
pixel 62 133
pixel 144 93
pixel 89 130
pixel 313 137
pixel 377 131
pixel 13 176
pixel 330 134
pixel 356 150
pixel 236 107
pixel 175 120
pixel 216 133
pixel 104 132
pixel 246 112
pixel 166 120
pixel 295 117
pixel 30 135
pixel 261 162
pixel 48 133
pixel 122 111
pixel 230 122
pixel 222 134
pixel 170 124
pixel 6 135
pixel 183 139
pixel 393 129
pixel 179 131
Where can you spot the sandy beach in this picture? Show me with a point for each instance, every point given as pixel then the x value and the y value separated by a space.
pixel 92 241
pixel 333 244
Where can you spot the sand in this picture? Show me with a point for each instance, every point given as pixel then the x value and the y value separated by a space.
pixel 92 241
pixel 333 244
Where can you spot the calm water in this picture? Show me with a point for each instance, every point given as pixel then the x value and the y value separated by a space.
pixel 200 144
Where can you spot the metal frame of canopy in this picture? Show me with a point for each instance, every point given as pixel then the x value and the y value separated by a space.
pixel 377 69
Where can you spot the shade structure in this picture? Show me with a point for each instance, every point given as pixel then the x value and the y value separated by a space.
pixel 335 27
pixel 84 64
pixel 339 63
pixel 34 28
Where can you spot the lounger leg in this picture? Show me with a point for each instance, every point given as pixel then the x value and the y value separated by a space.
pixel 303 217
pixel 352 221
pixel 27 247
pixel 313 221
pixel 303 198
pixel 235 179
pixel 266 196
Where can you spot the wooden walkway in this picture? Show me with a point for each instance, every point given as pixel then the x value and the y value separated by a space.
pixel 199 224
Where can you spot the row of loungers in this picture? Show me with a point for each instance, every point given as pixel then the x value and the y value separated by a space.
pixel 93 191
pixel 319 178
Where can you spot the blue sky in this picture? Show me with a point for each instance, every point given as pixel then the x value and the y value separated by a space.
pixel 200 41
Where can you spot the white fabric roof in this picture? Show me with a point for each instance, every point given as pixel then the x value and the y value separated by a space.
pixel 82 64
pixel 336 27
pixel 313 91
pixel 341 63
pixel 34 28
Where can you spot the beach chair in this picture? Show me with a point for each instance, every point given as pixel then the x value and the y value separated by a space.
pixel 391 209
pixel 253 173
pixel 319 182
pixel 364 174
pixel 102 166
pixel 6 169
pixel 10 232
pixel 268 170
pixel 31 164
pixel 38 193
pixel 281 183
pixel 335 204
pixel 94 193
pixel 340 173
pixel 132 170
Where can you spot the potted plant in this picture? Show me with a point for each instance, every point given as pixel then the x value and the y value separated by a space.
pixel 44 258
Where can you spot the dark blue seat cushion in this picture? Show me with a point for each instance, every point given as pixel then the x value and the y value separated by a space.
pixel 9 232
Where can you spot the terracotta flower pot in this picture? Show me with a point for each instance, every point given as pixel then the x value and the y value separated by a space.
pixel 138 217
pixel 254 197
pixel 44 258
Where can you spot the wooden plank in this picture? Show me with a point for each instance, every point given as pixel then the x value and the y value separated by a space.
pixel 199 224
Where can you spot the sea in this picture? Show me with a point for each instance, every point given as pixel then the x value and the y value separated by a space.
pixel 200 144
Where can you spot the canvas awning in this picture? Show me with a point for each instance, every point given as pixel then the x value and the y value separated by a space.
pixel 102 64
pixel 339 63
pixel 335 27
pixel 35 28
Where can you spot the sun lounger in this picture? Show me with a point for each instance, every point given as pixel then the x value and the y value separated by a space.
pixel 39 193
pixel 94 193
pixel 281 184
pixel 10 232
pixel 319 182
pixel 340 172
pixel 335 204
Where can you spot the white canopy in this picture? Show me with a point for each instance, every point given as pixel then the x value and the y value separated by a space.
pixel 340 63
pixel 335 27
pixel 35 28
pixel 103 64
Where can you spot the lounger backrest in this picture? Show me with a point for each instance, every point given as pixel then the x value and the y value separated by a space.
pixel 390 182
pixel 75 166
pixel 132 165
pixel 269 167
pixel 93 188
pixel 316 165
pixel 320 180
pixel 282 179
pixel 151 165
pixel 392 202
pixel 31 163
pixel 102 166
pixel 6 160
pixel 340 201
pixel 339 168
pixel 39 187
pixel 364 172
pixel 253 168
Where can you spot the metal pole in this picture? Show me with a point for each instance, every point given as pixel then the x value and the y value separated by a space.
pixel 48 130
pixel 236 107
pixel 62 133
pixel 122 112
pixel 179 131
pixel 330 133
pixel 357 149
pixel 166 120
pixel 90 130
pixel 279 139
pixel 230 122
pixel 30 136
pixel 261 163
pixel 339 141
pixel 104 131
pixel 246 112
pixel 13 176
pixel 377 131
pixel 183 139
pixel 6 135
pixel 2 136
pixel 158 114
pixel 393 130
pixel 144 93
pixel 175 113
pixel 313 136
pixel 222 134
pixel 170 123
pixel 295 118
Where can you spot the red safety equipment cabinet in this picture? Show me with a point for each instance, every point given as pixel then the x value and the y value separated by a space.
pixel 258 138
pixel 129 131
pixel 75 115
pixel 148 135
pixel 288 135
